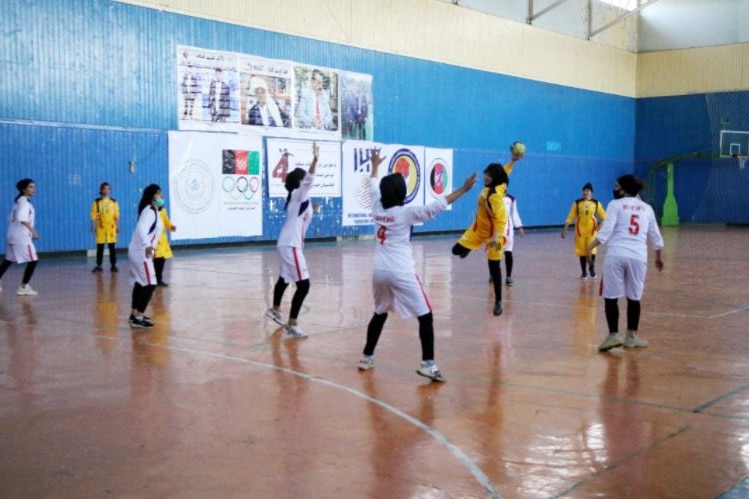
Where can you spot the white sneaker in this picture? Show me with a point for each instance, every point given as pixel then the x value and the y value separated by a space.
pixel 632 341
pixel 430 371
pixel 26 291
pixel 295 331
pixel 275 315
pixel 613 340
pixel 366 363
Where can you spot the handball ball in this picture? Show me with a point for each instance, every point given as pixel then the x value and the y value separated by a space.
pixel 517 147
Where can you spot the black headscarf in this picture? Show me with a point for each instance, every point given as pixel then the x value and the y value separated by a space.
pixel 630 184
pixel 392 190
pixel 293 181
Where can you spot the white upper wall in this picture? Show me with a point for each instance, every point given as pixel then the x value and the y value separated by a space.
pixel 438 31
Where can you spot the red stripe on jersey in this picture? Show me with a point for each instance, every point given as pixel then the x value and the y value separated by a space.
pixel 296 263
pixel 600 287
pixel 148 274
pixel 426 298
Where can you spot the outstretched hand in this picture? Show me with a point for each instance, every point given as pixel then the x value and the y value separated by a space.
pixel 374 155
pixel 516 156
pixel 469 182
pixel 315 151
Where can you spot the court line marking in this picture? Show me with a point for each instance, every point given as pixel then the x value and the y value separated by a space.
pixel 700 408
pixel 626 458
pixel 457 453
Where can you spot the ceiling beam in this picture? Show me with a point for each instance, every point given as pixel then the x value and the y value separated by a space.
pixel 592 33
pixel 533 16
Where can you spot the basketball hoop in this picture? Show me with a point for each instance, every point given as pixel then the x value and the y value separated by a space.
pixel 741 160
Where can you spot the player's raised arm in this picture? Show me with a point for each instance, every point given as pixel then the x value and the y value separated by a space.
pixel 374 156
pixel 467 185
pixel 315 156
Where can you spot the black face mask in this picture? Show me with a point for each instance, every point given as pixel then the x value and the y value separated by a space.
pixel 618 194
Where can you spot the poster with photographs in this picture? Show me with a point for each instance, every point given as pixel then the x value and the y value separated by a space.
pixel 357 114
pixel 208 89
pixel 215 184
pixel 284 155
pixel 316 103
pixel 265 94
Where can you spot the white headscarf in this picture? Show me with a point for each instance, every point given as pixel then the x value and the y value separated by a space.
pixel 257 82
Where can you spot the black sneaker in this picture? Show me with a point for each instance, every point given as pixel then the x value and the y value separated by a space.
pixel 162 284
pixel 592 274
pixel 491 280
pixel 509 282
pixel 584 276
pixel 113 269
pixel 498 308
pixel 96 269
pixel 142 322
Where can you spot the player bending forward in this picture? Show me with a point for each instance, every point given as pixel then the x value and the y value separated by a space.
pixel 395 285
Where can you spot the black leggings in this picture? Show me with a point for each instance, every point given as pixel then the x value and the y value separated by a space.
pixel 584 263
pixel 496 272
pixel 141 297
pixel 611 306
pixel 302 289
pixel 100 254
pixel 27 273
pixel 508 263
pixel 426 334
pixel 158 267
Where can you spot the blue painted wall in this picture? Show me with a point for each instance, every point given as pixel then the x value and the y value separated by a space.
pixel 89 86
pixel 710 189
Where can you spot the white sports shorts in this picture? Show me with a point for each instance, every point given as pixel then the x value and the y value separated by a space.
pixel 293 264
pixel 20 253
pixel 141 269
pixel 399 292
pixel 623 276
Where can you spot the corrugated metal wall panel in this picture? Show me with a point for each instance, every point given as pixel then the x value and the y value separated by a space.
pixel 700 70
pixel 96 83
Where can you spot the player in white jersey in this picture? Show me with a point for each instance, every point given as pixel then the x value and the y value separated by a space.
pixel 141 251
pixel 629 224
pixel 395 285
pixel 290 243
pixel 20 247
pixel 513 223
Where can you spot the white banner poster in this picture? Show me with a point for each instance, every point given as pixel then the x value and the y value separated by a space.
pixel 406 160
pixel 284 155
pixel 215 185
pixel 438 166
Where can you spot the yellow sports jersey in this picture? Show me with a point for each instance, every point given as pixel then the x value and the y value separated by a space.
pixel 163 249
pixel 105 212
pixel 491 214
pixel 584 212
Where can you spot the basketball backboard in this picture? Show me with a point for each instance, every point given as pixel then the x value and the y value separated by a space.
pixel 734 143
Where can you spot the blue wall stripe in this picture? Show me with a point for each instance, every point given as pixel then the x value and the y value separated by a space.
pixel 93 86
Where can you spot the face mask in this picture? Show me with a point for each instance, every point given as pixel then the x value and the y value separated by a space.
pixel 159 202
pixel 618 194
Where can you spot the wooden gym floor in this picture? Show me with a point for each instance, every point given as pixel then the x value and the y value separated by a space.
pixel 215 402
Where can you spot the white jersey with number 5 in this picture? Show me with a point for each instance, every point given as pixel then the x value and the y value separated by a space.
pixel 629 223
pixel 393 250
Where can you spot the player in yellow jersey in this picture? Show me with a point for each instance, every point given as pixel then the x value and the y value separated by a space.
pixel 585 212
pixel 105 217
pixel 488 227
pixel 163 248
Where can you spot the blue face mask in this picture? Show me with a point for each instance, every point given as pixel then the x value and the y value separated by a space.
pixel 159 202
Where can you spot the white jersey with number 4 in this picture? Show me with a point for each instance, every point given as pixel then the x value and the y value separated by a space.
pixel 629 223
pixel 393 250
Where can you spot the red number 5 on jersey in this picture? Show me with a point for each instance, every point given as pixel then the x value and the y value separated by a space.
pixel 634 227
